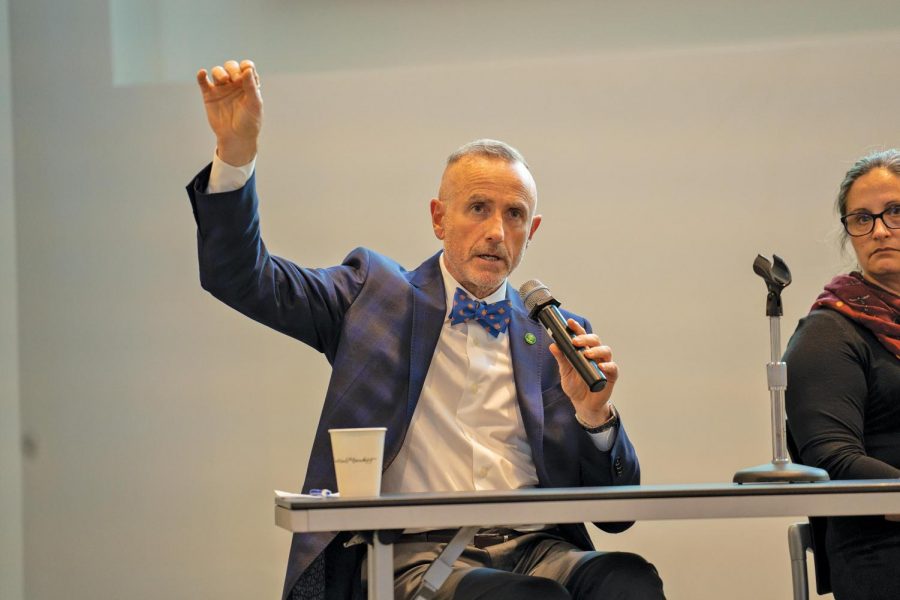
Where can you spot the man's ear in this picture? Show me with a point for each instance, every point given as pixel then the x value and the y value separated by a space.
pixel 535 223
pixel 437 217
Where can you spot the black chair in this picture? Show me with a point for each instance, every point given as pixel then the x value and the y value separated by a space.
pixel 803 537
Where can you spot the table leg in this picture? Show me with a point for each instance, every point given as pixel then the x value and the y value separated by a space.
pixel 380 569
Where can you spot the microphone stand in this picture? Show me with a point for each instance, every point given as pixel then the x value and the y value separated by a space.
pixel 781 470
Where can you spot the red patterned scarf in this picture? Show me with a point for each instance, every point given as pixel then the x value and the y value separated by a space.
pixel 872 307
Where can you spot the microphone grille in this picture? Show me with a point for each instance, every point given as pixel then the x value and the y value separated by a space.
pixel 534 293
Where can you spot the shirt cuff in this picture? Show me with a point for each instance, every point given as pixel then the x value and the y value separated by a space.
pixel 605 439
pixel 227 178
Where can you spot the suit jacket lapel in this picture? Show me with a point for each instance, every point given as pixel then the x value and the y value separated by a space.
pixel 428 314
pixel 527 360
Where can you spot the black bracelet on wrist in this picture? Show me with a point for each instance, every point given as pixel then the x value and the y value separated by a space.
pixel 613 421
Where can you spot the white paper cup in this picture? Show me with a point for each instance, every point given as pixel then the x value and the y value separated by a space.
pixel 358 455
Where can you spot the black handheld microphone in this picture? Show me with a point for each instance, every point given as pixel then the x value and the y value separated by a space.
pixel 543 307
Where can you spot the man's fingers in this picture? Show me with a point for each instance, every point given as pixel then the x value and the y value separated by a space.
pixel 253 75
pixel 610 369
pixel 600 354
pixel 248 64
pixel 250 75
pixel 250 81
pixel 220 75
pixel 233 69
pixel 583 339
pixel 586 340
pixel 594 349
pixel 575 326
pixel 203 80
pixel 232 72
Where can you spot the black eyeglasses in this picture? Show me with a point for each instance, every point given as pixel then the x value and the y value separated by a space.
pixel 862 223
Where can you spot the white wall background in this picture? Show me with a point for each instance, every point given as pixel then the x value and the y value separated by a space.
pixel 670 146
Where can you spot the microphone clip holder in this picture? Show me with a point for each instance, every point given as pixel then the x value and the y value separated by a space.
pixel 777 277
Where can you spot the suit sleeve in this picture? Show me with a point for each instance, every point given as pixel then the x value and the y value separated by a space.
pixel 236 268
pixel 617 466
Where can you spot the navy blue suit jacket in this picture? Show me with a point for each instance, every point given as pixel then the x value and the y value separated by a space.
pixel 378 325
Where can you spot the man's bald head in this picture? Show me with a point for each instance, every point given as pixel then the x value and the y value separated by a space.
pixel 483 148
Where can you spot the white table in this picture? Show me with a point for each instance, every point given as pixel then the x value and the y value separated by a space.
pixel 624 503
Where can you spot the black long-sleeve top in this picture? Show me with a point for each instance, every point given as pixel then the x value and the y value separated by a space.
pixel 843 398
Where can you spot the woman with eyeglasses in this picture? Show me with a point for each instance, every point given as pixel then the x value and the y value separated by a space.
pixel 843 394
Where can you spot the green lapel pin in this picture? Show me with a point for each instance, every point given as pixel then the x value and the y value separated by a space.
pixel 530 338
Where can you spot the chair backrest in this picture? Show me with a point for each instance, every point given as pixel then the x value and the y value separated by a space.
pixel 818 527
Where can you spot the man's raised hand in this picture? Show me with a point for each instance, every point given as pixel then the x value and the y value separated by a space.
pixel 233 108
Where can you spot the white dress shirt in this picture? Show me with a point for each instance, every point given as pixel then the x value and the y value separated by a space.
pixel 467 431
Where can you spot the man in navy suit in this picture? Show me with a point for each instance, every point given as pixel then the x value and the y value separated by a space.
pixel 472 392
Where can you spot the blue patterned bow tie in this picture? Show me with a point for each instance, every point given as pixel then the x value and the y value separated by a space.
pixel 493 317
